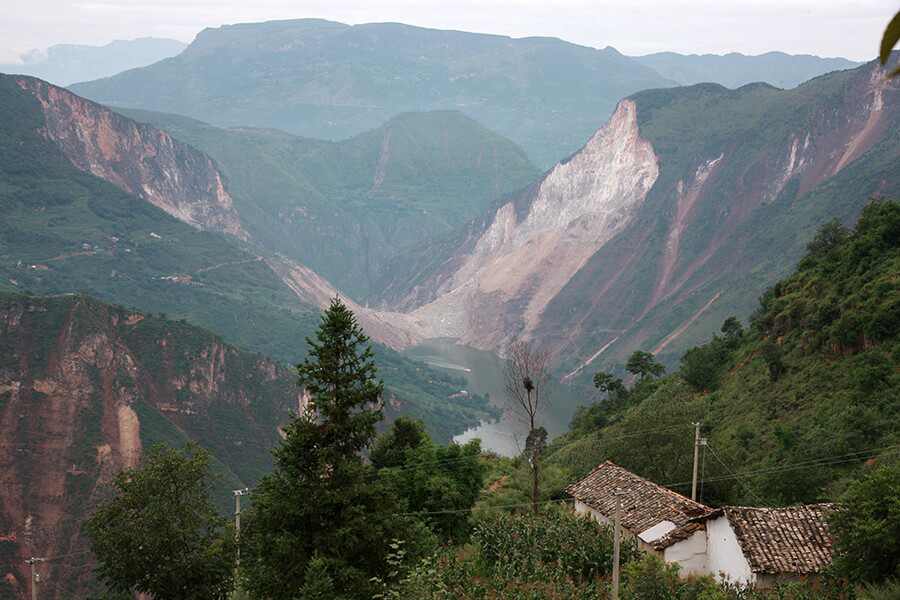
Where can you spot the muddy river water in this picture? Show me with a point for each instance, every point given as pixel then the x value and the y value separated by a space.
pixel 484 373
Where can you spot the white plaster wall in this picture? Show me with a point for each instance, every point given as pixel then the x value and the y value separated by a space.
pixel 583 509
pixel 724 555
pixel 690 554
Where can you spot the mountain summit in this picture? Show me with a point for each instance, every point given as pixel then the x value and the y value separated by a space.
pixel 329 80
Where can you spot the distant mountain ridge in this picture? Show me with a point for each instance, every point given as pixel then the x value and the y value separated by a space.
pixel 330 80
pixel 734 69
pixel 65 64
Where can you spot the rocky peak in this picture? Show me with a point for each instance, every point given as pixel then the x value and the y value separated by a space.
pixel 519 263
pixel 138 158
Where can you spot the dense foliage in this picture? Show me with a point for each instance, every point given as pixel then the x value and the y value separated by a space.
pixel 794 405
pixel 554 555
pixel 440 482
pixel 867 527
pixel 161 534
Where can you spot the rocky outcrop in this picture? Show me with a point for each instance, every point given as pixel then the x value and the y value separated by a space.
pixel 529 252
pixel 84 388
pixel 676 214
pixel 138 158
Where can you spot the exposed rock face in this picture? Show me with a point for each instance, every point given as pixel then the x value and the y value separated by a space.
pixel 83 387
pixel 527 254
pixel 652 234
pixel 141 160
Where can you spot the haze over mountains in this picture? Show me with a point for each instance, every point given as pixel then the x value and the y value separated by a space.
pixel 329 80
pixel 69 63
pixel 734 69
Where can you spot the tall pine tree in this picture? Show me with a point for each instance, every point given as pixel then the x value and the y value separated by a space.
pixel 323 513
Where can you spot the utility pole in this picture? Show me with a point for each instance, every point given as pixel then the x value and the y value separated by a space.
pixel 237 533
pixel 616 533
pixel 237 519
pixel 35 578
pixel 696 458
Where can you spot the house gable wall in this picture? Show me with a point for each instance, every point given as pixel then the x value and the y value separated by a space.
pixel 724 554
pixel 690 554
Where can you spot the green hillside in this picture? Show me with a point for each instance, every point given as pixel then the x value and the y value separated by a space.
pixel 794 405
pixel 346 208
pixel 330 80
pixel 64 231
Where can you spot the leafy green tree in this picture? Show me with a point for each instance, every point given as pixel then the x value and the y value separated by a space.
pixel 649 579
pixel 443 481
pixel 608 384
pixel 867 527
pixel 733 331
pixel 391 447
pixel 773 357
pixel 161 534
pixel 644 364
pixel 323 512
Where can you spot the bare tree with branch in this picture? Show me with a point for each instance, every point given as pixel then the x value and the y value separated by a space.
pixel 528 382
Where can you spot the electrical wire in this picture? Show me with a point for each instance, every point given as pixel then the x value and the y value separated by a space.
pixel 822 462
pixel 741 481
pixel 478 508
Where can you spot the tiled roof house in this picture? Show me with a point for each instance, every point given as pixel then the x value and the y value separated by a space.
pixel 758 546
pixel 649 511
pixel 761 546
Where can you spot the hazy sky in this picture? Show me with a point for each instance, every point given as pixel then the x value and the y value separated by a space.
pixel 824 27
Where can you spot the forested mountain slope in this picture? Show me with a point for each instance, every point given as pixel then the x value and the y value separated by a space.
pixel 330 80
pixel 794 406
pixel 65 231
pixel 676 214
pixel 361 200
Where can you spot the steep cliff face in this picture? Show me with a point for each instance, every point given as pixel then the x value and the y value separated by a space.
pixel 676 214
pixel 137 158
pixel 529 252
pixel 84 387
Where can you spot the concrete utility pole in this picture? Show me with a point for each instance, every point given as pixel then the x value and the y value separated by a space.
pixel 237 533
pixel 696 457
pixel 237 519
pixel 35 578
pixel 616 535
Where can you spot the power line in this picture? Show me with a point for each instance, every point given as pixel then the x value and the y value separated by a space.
pixel 61 556
pixel 716 456
pixel 809 464
pixel 477 508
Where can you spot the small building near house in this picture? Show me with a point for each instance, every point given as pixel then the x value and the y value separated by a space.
pixel 757 546
pixel 649 511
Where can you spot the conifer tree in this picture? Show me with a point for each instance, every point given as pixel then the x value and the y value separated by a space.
pixel 323 511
